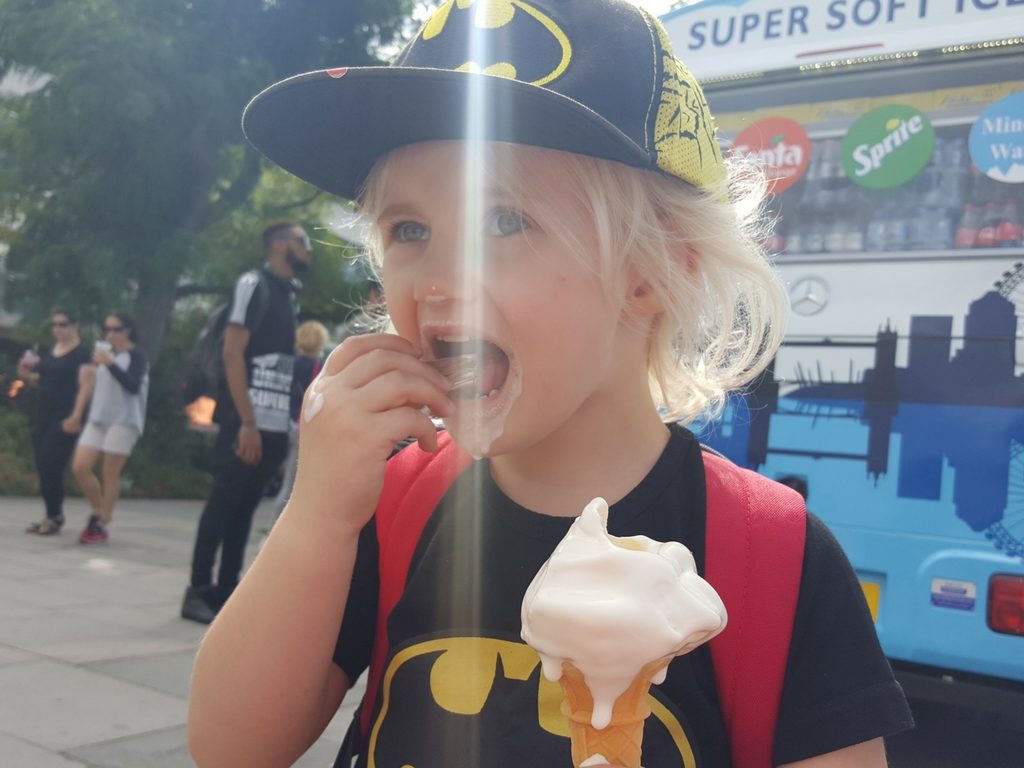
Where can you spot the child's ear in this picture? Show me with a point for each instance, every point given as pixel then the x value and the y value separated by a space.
pixel 641 299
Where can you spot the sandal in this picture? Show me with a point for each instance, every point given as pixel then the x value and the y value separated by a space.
pixel 47 527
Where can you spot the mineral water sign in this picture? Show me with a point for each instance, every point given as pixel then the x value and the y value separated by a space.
pixel 887 147
pixel 997 140
pixel 729 37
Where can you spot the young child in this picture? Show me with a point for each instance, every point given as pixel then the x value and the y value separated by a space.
pixel 582 235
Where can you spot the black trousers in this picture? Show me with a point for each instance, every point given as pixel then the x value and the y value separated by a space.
pixel 53 448
pixel 227 517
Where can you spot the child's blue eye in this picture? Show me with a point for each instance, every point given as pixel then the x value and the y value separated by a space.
pixel 504 222
pixel 410 231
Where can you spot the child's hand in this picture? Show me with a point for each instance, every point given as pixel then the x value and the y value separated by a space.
pixel 369 396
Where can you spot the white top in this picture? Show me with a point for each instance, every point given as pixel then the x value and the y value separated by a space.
pixel 112 402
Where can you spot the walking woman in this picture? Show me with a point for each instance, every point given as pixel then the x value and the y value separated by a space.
pixel 116 418
pixel 64 374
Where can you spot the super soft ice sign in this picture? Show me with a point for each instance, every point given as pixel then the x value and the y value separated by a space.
pixel 728 37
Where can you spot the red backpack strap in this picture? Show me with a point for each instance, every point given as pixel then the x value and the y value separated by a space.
pixel 414 483
pixel 755 550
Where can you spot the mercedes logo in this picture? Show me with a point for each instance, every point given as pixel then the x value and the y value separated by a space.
pixel 808 296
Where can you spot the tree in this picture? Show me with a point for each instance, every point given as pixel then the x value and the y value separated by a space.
pixel 124 168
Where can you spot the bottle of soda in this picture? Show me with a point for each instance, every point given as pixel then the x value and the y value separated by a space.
pixel 919 228
pixel 795 236
pixel 897 230
pixel 1008 232
pixel 875 237
pixel 810 201
pixel 955 173
pixel 814 236
pixel 966 234
pixel 940 234
pixel 989 226
pixel 835 235
pixel 929 180
pixel 983 189
pixel 854 236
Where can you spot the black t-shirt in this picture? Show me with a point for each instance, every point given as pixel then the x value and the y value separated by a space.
pixel 459 677
pixel 58 382
pixel 263 303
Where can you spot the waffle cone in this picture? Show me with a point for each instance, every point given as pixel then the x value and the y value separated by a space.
pixel 620 741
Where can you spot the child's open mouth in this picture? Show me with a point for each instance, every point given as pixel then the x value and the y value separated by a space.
pixel 477 368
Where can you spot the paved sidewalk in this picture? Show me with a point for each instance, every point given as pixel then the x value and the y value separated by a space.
pixel 94 660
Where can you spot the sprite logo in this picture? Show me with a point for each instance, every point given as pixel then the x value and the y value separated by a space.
pixel 887 147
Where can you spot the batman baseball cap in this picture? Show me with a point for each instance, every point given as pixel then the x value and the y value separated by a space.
pixel 594 77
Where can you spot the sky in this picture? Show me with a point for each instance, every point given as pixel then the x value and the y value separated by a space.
pixel 657 7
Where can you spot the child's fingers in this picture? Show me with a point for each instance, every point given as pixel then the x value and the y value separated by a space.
pixel 401 423
pixel 398 389
pixel 377 362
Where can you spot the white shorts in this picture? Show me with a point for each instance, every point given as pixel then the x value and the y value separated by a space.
pixel 109 438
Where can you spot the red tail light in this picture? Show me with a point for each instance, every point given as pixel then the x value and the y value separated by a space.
pixel 1006 604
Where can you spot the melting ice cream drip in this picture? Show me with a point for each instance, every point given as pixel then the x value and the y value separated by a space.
pixel 477 432
pixel 611 606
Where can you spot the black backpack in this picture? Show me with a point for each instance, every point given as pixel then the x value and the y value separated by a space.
pixel 204 367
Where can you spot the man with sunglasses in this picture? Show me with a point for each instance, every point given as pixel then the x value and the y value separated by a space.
pixel 252 411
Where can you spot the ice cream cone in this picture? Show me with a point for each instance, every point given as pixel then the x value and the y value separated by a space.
pixel 620 742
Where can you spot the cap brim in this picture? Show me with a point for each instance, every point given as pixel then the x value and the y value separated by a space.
pixel 330 130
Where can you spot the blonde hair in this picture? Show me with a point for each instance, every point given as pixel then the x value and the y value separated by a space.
pixel 310 338
pixel 724 306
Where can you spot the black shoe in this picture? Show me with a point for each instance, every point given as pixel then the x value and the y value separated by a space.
pixel 198 605
pixel 48 526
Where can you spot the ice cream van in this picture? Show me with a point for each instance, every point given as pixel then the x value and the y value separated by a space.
pixel 893 136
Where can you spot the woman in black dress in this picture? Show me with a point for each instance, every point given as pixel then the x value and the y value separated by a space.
pixel 65 375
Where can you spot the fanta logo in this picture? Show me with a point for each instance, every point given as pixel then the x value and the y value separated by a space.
pixel 458 24
pixel 779 154
pixel 780 146
pixel 869 158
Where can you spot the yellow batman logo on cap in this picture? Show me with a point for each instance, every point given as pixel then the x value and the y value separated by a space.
pixel 512 17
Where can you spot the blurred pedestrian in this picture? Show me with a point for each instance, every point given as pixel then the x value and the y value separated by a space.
pixel 252 411
pixel 310 340
pixel 117 416
pixel 64 374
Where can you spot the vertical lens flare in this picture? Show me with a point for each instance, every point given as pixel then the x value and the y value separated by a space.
pixel 473 249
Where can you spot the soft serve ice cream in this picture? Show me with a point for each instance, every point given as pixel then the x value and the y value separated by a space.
pixel 606 615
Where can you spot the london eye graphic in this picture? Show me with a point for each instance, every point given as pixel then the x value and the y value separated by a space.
pixel 1008 534
pixel 956 407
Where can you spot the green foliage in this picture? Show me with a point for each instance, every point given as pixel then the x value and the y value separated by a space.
pixel 17 469
pixel 121 164
pixel 126 183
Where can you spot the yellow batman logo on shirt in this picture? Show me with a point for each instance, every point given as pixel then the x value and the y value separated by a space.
pixel 464 29
pixel 456 700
